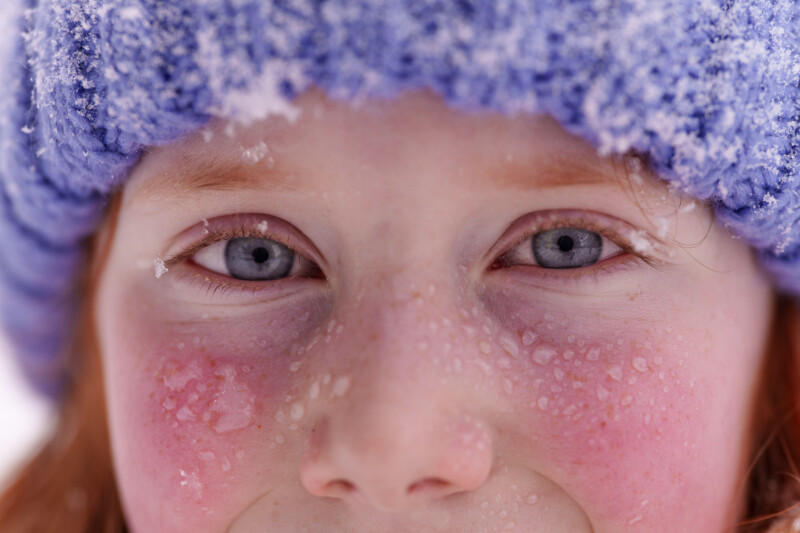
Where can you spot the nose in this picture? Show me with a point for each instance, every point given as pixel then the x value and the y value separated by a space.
pixel 402 436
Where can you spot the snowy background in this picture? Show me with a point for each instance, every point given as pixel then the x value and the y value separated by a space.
pixel 24 417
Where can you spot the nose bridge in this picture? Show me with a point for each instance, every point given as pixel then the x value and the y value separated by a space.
pixel 401 433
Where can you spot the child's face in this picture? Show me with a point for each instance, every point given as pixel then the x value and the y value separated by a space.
pixel 419 362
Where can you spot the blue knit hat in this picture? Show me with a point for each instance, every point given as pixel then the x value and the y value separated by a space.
pixel 708 90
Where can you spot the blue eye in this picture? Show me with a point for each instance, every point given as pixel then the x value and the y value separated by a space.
pixel 567 248
pixel 250 258
pixel 255 258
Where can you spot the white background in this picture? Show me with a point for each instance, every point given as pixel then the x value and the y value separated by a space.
pixel 24 417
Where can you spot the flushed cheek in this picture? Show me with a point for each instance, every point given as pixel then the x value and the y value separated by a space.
pixel 194 408
pixel 614 405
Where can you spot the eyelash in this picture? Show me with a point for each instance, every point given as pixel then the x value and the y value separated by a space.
pixel 534 223
pixel 606 227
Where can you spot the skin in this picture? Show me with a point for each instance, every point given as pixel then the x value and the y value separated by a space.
pixel 424 378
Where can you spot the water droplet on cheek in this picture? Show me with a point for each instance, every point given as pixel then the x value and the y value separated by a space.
pixel 543 354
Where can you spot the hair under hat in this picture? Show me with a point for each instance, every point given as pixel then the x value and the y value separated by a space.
pixel 709 91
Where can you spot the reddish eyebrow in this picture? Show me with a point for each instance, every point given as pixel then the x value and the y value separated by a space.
pixel 196 172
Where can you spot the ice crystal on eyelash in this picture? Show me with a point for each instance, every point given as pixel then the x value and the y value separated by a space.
pixel 159 267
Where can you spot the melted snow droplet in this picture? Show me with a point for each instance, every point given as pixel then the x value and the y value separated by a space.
pixel 484 347
pixel 233 402
pixel 533 498
pixel 640 364
pixel 559 374
pixel 568 354
pixel 313 391
pixel 340 387
pixel 206 455
pixel 616 373
pixel 543 354
pixel 159 267
pixel 509 345
pixel 528 337
pixel 294 366
pixel 593 354
pixel 602 393
pixel 542 403
pixel 297 411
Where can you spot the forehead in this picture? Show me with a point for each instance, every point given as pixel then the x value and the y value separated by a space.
pixel 479 150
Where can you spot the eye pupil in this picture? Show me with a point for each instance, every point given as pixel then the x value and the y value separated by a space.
pixel 260 255
pixel 565 243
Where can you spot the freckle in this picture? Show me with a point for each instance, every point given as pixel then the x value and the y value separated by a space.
pixel 568 354
pixel 340 387
pixel 602 393
pixel 484 347
pixel 297 411
pixel 528 337
pixel 543 354
pixel 640 364
pixel 509 345
pixel 559 374
pixel 593 354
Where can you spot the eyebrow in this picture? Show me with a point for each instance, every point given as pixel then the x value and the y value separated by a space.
pixel 563 170
pixel 195 173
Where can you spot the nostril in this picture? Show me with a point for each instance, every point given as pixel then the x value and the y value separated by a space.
pixel 429 484
pixel 340 487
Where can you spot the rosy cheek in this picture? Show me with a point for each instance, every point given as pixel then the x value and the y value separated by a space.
pixel 196 404
pixel 610 405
